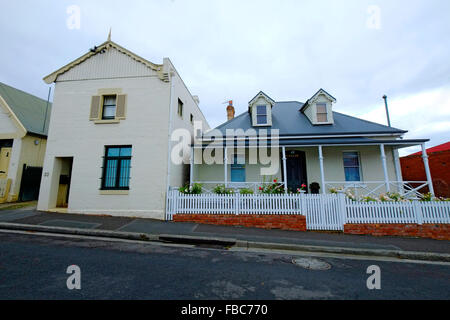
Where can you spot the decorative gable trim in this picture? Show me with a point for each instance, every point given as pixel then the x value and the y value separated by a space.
pixel 261 94
pixel 314 98
pixel 162 72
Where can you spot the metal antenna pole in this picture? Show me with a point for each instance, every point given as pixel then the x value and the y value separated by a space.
pixel 387 110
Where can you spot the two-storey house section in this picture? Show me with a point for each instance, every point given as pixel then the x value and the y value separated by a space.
pixel 109 135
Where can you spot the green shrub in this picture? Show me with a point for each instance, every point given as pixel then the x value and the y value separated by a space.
pixel 272 188
pixel 196 188
pixel 221 189
pixel 246 191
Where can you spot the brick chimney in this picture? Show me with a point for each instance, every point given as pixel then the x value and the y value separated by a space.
pixel 230 110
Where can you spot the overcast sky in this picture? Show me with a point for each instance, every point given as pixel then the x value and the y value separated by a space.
pixel 356 50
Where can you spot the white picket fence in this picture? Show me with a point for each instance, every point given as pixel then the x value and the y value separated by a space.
pixel 397 212
pixel 322 211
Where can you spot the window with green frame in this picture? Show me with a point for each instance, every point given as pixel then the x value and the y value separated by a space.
pixel 116 168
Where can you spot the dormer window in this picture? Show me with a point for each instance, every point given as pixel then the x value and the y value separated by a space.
pixel 318 108
pixel 261 115
pixel 260 108
pixel 322 113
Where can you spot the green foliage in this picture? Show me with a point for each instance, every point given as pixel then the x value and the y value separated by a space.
pixel 221 189
pixel 272 188
pixel 368 199
pixel 196 188
pixel 426 197
pixel 246 191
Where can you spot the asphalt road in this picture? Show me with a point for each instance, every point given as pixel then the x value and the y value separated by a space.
pixel 34 267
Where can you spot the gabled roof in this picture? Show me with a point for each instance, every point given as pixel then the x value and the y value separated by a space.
pixel 290 122
pixel 262 94
pixel 320 91
pixel 96 50
pixel 29 109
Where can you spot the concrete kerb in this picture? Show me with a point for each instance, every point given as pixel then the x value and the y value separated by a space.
pixel 228 242
pixel 400 254
pixel 80 232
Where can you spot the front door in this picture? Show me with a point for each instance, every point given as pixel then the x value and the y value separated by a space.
pixel 296 169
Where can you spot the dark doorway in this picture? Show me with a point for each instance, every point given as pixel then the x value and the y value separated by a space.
pixel 296 170
pixel 30 183
pixel 65 176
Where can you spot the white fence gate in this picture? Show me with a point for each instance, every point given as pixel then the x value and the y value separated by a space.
pixel 324 211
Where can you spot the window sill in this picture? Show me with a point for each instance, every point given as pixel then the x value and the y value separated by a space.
pixel 114 192
pixel 322 123
pixel 107 121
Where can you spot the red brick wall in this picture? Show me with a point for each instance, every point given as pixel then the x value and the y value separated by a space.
pixel 284 222
pixel 298 223
pixel 434 231
pixel 413 170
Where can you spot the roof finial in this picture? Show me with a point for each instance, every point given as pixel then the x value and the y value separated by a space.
pixel 109 35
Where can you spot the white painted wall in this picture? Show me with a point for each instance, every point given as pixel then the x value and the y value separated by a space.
pixel 146 128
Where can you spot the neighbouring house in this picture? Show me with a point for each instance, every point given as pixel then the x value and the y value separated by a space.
pixel 439 161
pixel 109 135
pixel 313 145
pixel 23 138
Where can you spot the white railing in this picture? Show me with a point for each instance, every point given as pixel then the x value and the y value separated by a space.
pixel 322 211
pixel 409 189
pixel 398 212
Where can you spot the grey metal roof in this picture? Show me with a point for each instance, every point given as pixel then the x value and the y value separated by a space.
pixel 287 118
pixel 28 108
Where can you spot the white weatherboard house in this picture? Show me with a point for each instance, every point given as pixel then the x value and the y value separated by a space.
pixel 107 152
pixel 318 147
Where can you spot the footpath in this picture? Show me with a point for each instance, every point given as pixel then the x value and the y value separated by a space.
pixel 27 218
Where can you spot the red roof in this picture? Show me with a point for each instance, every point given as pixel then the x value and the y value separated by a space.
pixel 441 147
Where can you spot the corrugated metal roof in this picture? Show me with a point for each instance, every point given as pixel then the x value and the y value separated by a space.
pixel 28 108
pixel 287 118
pixel 438 148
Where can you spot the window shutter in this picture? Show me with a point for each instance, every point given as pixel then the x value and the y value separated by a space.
pixel 121 106
pixel 95 108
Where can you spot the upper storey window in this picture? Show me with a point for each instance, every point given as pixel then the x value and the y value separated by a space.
pixel 261 115
pixel 109 107
pixel 322 114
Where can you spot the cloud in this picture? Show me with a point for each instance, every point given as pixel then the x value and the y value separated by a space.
pixel 229 49
pixel 426 115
